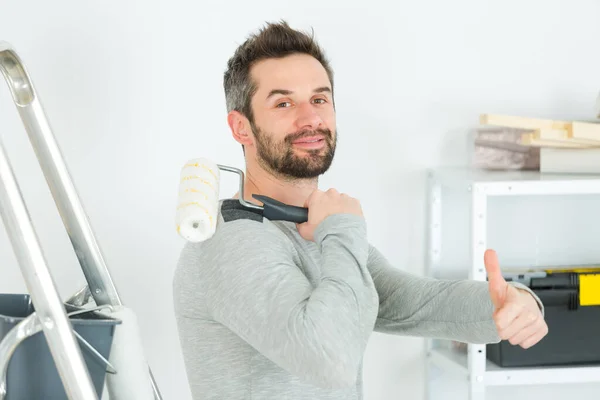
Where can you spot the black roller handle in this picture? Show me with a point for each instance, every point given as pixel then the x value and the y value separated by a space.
pixel 278 211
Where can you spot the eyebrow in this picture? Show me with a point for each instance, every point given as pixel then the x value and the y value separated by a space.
pixel 286 92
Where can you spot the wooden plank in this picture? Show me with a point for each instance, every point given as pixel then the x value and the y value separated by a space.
pixel 527 123
pixel 529 139
pixel 563 135
pixel 585 130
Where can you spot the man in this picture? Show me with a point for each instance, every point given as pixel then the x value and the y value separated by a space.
pixel 278 310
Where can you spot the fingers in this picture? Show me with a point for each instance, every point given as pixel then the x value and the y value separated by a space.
pixel 535 337
pixel 525 331
pixel 529 335
pixel 323 204
pixel 306 230
pixel 520 336
pixel 520 322
pixel 505 316
pixel 521 328
pixel 312 197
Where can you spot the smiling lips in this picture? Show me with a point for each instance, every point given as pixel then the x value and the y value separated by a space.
pixel 311 142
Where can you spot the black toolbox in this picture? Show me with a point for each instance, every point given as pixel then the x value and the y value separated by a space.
pixel 572 311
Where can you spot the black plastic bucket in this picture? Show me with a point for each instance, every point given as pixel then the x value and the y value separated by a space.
pixel 32 373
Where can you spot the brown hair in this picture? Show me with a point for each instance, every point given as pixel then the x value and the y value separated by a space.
pixel 275 40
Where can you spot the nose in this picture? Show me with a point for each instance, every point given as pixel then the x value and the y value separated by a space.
pixel 308 117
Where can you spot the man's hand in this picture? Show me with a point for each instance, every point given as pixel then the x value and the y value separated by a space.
pixel 323 204
pixel 516 313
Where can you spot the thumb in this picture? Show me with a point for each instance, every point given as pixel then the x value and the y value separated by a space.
pixel 497 284
pixel 304 230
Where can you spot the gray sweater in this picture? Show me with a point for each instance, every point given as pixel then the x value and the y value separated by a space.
pixel 264 314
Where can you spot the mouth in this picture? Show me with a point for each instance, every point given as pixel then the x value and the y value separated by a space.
pixel 312 142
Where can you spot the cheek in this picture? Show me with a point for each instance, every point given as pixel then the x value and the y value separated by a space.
pixel 281 125
pixel 328 118
pixel 276 129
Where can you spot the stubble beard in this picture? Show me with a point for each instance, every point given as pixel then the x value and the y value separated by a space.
pixel 283 160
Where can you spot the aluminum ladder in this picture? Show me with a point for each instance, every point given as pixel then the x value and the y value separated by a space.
pixel 50 313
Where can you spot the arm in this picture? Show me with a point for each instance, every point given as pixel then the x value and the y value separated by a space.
pixel 255 288
pixel 449 309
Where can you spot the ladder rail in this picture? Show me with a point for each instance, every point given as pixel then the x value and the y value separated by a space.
pixel 64 193
pixel 49 307
pixel 58 178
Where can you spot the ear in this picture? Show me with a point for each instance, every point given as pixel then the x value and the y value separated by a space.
pixel 240 128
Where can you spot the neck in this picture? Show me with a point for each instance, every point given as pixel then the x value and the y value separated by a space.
pixel 259 181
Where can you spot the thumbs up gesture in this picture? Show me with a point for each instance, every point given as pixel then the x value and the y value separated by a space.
pixel 517 315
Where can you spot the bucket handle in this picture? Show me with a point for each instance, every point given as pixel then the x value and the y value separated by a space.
pixel 31 326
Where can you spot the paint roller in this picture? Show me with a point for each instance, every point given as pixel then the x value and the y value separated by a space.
pixel 198 201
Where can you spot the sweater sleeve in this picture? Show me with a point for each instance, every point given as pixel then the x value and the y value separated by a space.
pixel 459 310
pixel 255 288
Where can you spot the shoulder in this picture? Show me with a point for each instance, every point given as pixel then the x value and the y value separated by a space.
pixel 235 220
pixel 245 247
pixel 231 210
pixel 239 230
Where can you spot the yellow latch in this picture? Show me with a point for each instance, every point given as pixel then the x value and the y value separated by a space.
pixel 589 289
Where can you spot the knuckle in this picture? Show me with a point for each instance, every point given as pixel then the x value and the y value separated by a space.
pixel 519 308
pixel 499 320
pixel 499 326
pixel 530 342
pixel 314 194
pixel 533 317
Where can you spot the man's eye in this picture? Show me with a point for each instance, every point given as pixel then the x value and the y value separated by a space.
pixel 321 101
pixel 282 104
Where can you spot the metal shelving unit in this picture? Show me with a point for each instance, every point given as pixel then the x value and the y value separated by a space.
pixel 516 213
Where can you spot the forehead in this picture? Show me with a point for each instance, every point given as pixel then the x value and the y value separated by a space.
pixel 298 72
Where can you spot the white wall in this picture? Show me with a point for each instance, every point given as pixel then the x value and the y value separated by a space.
pixel 133 89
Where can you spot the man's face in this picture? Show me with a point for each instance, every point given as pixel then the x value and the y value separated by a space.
pixel 294 118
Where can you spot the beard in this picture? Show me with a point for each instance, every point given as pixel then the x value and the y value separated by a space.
pixel 281 157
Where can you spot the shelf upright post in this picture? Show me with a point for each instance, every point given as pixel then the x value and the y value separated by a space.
pixel 477 352
pixel 433 240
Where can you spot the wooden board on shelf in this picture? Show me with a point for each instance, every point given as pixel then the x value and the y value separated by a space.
pixel 538 140
pixel 583 133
